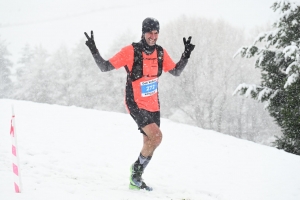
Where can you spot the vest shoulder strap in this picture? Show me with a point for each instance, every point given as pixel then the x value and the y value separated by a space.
pixel 160 59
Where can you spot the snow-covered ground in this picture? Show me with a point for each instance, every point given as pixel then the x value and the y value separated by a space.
pixel 76 153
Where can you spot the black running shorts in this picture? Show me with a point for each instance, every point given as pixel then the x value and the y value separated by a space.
pixel 144 118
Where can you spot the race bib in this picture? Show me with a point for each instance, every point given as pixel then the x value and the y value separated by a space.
pixel 149 88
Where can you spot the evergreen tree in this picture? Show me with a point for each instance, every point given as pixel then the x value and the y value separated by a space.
pixel 32 75
pixel 87 84
pixel 5 65
pixel 279 62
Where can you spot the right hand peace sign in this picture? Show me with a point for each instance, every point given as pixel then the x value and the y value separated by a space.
pixel 188 47
pixel 91 43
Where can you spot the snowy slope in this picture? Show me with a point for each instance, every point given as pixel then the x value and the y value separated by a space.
pixel 76 153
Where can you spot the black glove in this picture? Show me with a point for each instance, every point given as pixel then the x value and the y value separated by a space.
pixel 188 47
pixel 91 43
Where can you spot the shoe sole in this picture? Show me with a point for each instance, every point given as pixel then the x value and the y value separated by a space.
pixel 133 187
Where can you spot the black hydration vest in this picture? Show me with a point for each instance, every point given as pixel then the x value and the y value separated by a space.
pixel 137 67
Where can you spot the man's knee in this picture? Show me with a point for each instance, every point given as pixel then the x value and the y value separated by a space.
pixel 153 134
pixel 158 138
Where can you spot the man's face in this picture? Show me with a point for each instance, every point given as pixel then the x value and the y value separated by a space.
pixel 151 37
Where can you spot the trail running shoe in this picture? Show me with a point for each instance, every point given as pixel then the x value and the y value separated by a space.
pixel 136 181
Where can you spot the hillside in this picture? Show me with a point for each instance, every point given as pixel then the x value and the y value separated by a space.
pixel 76 153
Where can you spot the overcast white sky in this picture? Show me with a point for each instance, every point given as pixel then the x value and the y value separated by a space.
pixel 52 23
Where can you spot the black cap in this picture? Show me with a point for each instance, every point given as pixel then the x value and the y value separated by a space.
pixel 150 24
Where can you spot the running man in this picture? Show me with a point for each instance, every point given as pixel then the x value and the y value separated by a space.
pixel 144 62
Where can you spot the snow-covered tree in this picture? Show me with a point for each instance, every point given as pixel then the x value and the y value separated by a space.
pixel 279 62
pixel 32 76
pixel 5 65
pixel 202 95
pixel 87 85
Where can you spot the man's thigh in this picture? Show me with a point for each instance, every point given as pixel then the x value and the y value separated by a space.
pixel 144 118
